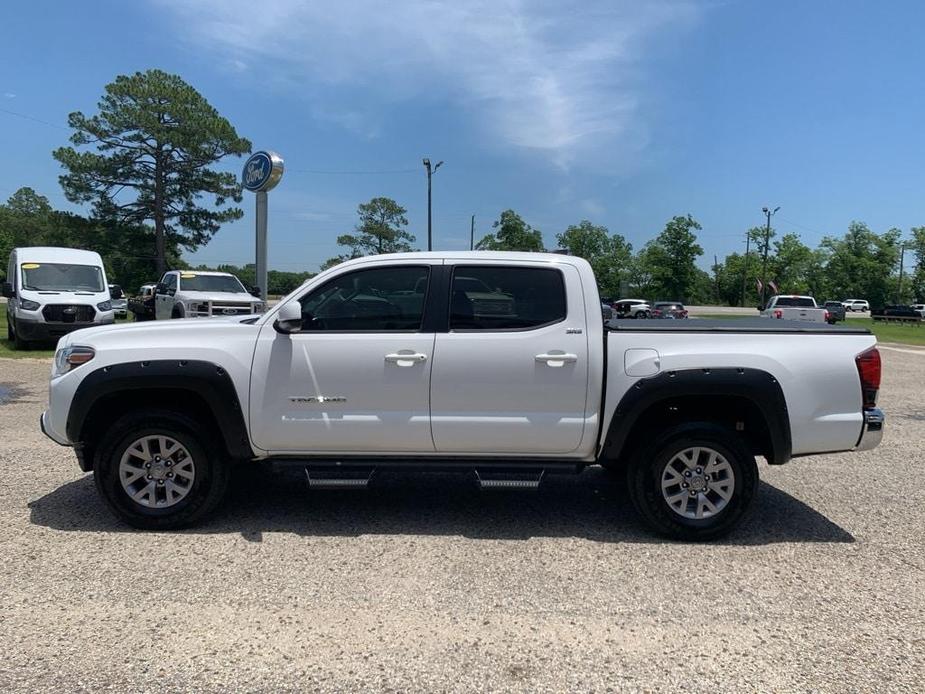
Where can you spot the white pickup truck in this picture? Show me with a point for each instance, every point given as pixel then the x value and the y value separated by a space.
pixel 199 294
pixel 393 362
pixel 795 307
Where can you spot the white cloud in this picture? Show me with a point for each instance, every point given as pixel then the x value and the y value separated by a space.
pixel 9 95
pixel 560 78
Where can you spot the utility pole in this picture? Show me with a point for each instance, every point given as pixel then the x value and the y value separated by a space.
pixel 899 286
pixel 430 173
pixel 745 268
pixel 716 277
pixel 472 233
pixel 767 243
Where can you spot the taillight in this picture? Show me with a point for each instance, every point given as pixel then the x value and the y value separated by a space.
pixel 827 316
pixel 778 313
pixel 868 363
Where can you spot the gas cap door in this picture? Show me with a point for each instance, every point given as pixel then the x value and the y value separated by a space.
pixel 640 361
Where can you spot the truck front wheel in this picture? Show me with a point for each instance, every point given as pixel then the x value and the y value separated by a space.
pixel 695 482
pixel 157 470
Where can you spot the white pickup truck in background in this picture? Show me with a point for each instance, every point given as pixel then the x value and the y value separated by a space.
pixel 795 307
pixel 401 361
pixel 199 294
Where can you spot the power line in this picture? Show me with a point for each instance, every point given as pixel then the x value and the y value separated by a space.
pixel 378 172
pixel 32 118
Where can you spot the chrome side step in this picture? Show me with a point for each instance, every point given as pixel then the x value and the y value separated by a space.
pixel 509 480
pixel 338 480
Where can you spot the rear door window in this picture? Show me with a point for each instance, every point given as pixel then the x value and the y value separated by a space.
pixel 506 298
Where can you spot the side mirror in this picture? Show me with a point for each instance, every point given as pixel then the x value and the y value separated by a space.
pixel 255 291
pixel 7 290
pixel 289 318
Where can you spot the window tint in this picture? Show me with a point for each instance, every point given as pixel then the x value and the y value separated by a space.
pixel 798 301
pixel 375 300
pixel 505 298
pixel 171 281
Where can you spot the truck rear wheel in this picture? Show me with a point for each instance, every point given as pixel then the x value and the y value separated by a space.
pixel 693 483
pixel 158 470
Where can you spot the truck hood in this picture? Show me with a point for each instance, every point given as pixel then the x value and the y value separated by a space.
pixel 237 297
pixel 175 333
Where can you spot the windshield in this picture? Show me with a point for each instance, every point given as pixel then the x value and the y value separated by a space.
pixel 210 283
pixel 60 277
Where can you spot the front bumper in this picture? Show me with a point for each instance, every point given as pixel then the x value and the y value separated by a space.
pixel 872 430
pixel 48 332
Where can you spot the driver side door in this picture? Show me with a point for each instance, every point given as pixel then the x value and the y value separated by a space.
pixel 356 377
pixel 163 301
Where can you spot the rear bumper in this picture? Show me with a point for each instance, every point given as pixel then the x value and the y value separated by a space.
pixel 872 430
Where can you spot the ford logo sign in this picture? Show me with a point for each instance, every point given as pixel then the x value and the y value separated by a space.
pixel 229 311
pixel 262 171
pixel 70 311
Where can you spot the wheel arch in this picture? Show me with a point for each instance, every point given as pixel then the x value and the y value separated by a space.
pixel 199 389
pixel 750 401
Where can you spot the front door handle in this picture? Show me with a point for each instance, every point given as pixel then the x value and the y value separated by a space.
pixel 557 360
pixel 406 358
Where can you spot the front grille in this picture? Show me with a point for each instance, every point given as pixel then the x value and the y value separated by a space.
pixel 69 313
pixel 492 307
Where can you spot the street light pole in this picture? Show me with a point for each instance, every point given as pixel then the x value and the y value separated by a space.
pixel 767 242
pixel 899 287
pixel 430 173
pixel 745 268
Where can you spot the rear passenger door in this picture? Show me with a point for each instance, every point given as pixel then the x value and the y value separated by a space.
pixel 511 374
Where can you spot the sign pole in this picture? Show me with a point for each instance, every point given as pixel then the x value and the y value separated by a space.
pixel 261 255
pixel 261 173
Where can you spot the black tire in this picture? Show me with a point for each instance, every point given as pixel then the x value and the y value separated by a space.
pixel 644 474
pixel 212 469
pixel 18 343
pixel 640 315
pixel 10 335
pixel 176 313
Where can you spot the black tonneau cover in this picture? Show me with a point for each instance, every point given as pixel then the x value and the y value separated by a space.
pixel 732 325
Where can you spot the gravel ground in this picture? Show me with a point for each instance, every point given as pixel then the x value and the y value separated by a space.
pixel 424 584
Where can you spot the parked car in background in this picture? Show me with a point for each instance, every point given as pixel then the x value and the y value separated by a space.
pixel 836 311
pixel 195 294
pixel 119 304
pixel 54 291
pixel 856 304
pixel 920 308
pixel 669 309
pixel 795 307
pixel 632 308
pixel 142 306
pixel 606 311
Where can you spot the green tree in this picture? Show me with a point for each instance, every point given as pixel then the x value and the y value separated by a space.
pixel 861 263
pixel 381 229
pixel 789 266
pixel 670 259
pixel 512 234
pixel 917 272
pixel 152 144
pixel 611 256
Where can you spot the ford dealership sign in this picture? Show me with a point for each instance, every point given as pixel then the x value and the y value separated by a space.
pixel 262 171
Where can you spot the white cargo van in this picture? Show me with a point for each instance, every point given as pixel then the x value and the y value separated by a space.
pixel 53 291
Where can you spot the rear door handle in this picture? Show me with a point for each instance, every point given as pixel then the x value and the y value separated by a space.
pixel 406 358
pixel 556 360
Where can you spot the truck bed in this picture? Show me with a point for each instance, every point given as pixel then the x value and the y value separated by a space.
pixel 733 325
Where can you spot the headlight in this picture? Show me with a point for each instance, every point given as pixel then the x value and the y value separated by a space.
pixel 197 307
pixel 104 306
pixel 259 307
pixel 27 305
pixel 69 358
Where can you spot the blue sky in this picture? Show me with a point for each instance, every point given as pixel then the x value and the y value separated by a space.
pixel 624 113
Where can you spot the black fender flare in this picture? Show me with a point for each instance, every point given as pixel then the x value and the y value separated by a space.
pixel 757 386
pixel 209 381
